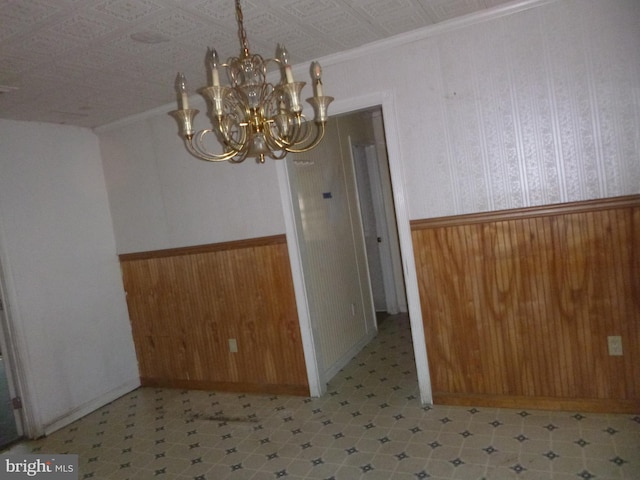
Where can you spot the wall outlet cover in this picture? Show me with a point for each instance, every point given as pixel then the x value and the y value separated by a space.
pixel 614 343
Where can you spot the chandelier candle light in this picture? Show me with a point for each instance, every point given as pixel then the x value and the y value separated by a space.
pixel 251 117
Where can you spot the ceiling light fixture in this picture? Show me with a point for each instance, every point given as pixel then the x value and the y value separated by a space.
pixel 252 117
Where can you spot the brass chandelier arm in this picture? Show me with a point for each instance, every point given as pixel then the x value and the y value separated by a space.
pixel 239 157
pixel 319 136
pixel 196 147
pixel 201 155
pixel 280 143
pixel 201 147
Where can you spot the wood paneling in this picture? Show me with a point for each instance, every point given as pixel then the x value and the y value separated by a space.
pixel 517 306
pixel 185 305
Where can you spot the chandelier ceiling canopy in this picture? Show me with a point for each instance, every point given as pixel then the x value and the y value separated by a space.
pixel 250 116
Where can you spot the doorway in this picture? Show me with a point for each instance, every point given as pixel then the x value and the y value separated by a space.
pixel 10 430
pixel 380 228
pixel 312 352
pixel 342 240
pixel 331 250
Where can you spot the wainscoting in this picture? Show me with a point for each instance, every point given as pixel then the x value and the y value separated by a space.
pixel 517 305
pixel 186 304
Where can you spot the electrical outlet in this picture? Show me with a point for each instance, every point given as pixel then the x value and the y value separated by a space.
pixel 615 345
pixel 233 345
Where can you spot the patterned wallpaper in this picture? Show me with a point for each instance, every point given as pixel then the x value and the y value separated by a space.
pixel 543 107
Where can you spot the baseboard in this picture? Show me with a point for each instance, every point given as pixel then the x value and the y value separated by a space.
pixel 91 406
pixel 594 405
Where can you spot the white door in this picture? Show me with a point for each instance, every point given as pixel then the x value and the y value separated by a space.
pixel 331 249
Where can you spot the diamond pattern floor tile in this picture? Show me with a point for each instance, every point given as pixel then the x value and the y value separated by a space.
pixel 369 425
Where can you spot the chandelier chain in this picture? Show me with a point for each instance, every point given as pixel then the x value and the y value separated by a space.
pixel 242 33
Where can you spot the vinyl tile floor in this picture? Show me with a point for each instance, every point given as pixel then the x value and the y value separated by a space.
pixel 369 425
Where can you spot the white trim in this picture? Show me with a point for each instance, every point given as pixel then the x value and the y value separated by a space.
pixel 316 386
pixel 347 55
pixel 432 30
pixel 396 171
pixel 91 406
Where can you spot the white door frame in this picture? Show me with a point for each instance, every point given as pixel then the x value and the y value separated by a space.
pixel 316 386
pixel 309 345
pixel 9 356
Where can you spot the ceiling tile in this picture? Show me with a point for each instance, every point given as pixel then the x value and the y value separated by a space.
pixel 76 61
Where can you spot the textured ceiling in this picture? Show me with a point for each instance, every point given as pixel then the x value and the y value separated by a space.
pixel 90 62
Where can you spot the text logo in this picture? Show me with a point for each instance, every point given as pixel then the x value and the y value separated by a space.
pixel 51 467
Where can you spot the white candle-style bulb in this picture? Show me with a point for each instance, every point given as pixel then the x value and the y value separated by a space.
pixel 283 56
pixel 181 87
pixel 213 59
pixel 316 72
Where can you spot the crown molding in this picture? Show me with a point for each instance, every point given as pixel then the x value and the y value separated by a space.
pixel 494 13
pixel 500 11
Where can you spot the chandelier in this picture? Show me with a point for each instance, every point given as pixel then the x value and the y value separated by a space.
pixel 251 117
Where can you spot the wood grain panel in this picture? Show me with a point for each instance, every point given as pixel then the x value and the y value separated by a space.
pixel 517 308
pixel 185 305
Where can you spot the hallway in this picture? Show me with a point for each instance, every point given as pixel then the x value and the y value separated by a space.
pixel 369 425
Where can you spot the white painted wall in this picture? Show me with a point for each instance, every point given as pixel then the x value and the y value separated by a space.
pixel 68 314
pixel 162 197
